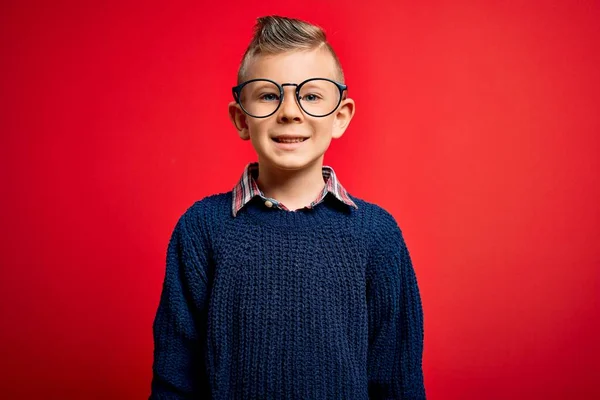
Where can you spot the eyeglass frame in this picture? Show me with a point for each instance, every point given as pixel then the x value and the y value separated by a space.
pixel 236 91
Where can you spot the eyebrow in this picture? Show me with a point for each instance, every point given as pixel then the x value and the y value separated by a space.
pixel 260 85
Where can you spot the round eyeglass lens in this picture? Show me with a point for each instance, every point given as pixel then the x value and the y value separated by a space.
pixel 260 98
pixel 319 97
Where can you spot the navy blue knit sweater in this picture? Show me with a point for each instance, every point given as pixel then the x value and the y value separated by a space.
pixel 318 303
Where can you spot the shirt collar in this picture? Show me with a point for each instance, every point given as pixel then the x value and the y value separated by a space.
pixel 246 189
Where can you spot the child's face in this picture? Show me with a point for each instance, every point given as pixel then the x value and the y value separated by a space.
pixel 292 67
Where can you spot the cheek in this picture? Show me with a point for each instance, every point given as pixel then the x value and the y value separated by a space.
pixel 323 127
pixel 257 127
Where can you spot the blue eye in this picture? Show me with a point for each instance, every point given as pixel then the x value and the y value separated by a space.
pixel 310 97
pixel 269 97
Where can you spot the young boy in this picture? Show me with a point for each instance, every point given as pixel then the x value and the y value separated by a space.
pixel 288 286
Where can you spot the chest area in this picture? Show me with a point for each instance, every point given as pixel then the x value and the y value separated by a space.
pixel 290 266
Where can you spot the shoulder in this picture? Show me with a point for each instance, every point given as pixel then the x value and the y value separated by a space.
pixel 210 204
pixel 206 214
pixel 384 235
pixel 378 219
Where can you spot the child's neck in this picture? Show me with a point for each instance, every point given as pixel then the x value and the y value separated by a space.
pixel 295 189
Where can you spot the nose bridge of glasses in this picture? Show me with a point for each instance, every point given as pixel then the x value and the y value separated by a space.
pixel 294 92
pixel 294 85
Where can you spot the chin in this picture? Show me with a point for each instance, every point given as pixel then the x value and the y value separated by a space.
pixel 299 163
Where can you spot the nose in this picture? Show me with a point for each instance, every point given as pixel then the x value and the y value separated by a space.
pixel 289 110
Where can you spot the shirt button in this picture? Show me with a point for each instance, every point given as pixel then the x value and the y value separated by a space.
pixel 268 203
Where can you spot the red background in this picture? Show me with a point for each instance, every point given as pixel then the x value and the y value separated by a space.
pixel 477 127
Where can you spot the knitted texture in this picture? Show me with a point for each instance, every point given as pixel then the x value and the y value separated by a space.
pixel 318 303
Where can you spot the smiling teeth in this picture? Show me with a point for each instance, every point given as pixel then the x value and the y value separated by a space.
pixel 290 140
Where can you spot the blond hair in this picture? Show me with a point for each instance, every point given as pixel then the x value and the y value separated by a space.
pixel 275 35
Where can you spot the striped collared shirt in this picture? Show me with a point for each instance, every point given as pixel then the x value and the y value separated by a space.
pixel 246 189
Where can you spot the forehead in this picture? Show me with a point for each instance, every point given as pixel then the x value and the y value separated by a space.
pixel 293 67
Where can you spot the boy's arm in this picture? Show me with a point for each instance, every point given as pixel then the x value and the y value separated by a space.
pixel 179 328
pixel 394 362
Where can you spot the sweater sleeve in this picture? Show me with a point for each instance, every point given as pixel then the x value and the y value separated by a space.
pixel 394 361
pixel 179 326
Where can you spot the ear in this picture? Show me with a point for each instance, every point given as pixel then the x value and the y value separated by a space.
pixel 342 117
pixel 238 117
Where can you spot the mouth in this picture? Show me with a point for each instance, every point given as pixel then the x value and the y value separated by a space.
pixel 289 144
pixel 287 140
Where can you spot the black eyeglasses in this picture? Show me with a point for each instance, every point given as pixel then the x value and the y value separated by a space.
pixel 261 98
